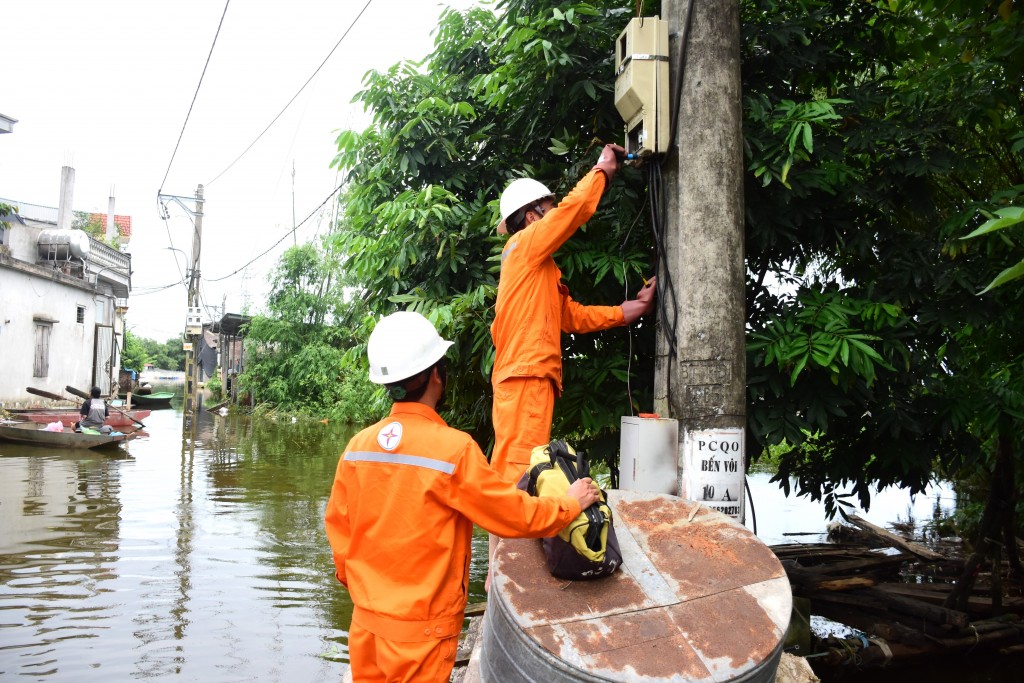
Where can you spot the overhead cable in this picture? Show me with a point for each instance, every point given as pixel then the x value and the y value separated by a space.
pixel 182 133
pixel 308 81
pixel 283 238
pixel 154 290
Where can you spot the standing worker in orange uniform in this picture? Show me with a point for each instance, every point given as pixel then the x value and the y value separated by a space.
pixel 534 308
pixel 400 518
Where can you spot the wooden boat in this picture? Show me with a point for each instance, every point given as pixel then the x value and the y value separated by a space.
pixel 68 418
pixel 33 434
pixel 158 399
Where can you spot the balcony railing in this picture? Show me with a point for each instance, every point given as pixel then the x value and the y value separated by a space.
pixel 109 266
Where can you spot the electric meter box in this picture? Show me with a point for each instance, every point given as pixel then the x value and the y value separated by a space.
pixel 194 320
pixel 642 85
pixel 648 454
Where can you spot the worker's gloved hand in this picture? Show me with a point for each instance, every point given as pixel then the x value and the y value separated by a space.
pixel 609 160
pixel 642 305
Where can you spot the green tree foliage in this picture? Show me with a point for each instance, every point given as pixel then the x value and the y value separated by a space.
pixel 878 134
pixel 167 355
pixel 525 94
pixel 880 360
pixel 133 355
pixel 1002 219
pixel 295 353
pixel 5 211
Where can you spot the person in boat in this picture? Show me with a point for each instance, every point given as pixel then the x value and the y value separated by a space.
pixel 406 494
pixel 534 307
pixel 94 412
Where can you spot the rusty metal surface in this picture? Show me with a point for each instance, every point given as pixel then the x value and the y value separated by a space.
pixel 707 555
pixel 698 598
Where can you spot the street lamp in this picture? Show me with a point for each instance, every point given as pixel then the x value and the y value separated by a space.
pixel 176 261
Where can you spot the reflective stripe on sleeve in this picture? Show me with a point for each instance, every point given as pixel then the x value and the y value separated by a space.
pixel 400 459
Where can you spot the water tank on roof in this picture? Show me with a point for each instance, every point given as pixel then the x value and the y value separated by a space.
pixel 63 245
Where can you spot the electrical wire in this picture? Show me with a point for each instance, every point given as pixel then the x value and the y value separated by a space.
pixel 666 292
pixel 677 87
pixel 750 497
pixel 199 85
pixel 155 289
pixel 283 238
pixel 655 188
pixel 167 227
pixel 629 328
pixel 308 81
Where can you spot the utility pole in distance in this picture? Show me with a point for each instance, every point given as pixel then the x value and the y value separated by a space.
pixel 700 369
pixel 193 318
pixel 193 328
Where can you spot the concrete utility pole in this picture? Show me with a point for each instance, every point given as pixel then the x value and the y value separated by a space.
pixel 192 334
pixel 703 383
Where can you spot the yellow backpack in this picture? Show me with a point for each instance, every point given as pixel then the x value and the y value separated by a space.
pixel 587 548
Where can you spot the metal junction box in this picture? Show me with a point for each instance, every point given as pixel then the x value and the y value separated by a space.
pixel 194 320
pixel 648 454
pixel 642 85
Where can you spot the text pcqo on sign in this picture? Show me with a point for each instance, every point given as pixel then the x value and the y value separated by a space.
pixel 713 469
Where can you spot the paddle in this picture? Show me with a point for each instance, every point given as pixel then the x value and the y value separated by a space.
pixel 45 394
pixel 82 394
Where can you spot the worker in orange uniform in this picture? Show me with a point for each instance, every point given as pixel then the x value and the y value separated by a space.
pixel 400 518
pixel 534 308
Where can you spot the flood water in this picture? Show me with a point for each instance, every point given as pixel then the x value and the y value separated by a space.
pixel 210 564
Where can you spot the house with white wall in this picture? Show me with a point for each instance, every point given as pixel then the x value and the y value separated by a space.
pixel 63 298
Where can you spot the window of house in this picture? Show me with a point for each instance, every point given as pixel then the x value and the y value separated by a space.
pixel 80 315
pixel 41 366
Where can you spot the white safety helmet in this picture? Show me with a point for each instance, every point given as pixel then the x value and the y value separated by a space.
pixel 401 345
pixel 518 194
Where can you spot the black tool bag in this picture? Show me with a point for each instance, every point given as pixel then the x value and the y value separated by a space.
pixel 587 548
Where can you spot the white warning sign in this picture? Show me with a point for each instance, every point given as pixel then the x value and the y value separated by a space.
pixel 713 469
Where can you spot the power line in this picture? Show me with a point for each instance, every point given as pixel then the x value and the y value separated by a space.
pixel 199 85
pixel 154 290
pixel 283 238
pixel 167 227
pixel 308 81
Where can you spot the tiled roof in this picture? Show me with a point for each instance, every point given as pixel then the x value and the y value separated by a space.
pixel 123 223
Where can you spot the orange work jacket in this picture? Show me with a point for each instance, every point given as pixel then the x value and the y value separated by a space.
pixel 400 521
pixel 533 305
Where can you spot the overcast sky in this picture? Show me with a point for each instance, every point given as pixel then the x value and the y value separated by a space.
pixel 104 86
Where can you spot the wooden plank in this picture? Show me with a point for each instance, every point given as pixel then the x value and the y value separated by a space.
pixel 898 541
pixel 916 608
pixel 846 584
pixel 875 599
pixel 807 579
pixel 817 549
pixel 876 563
pixel 935 594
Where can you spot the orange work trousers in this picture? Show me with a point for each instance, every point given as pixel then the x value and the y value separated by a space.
pixel 378 660
pixel 521 414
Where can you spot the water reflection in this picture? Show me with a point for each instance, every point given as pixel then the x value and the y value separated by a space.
pixel 60 515
pixel 208 561
pixel 800 520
